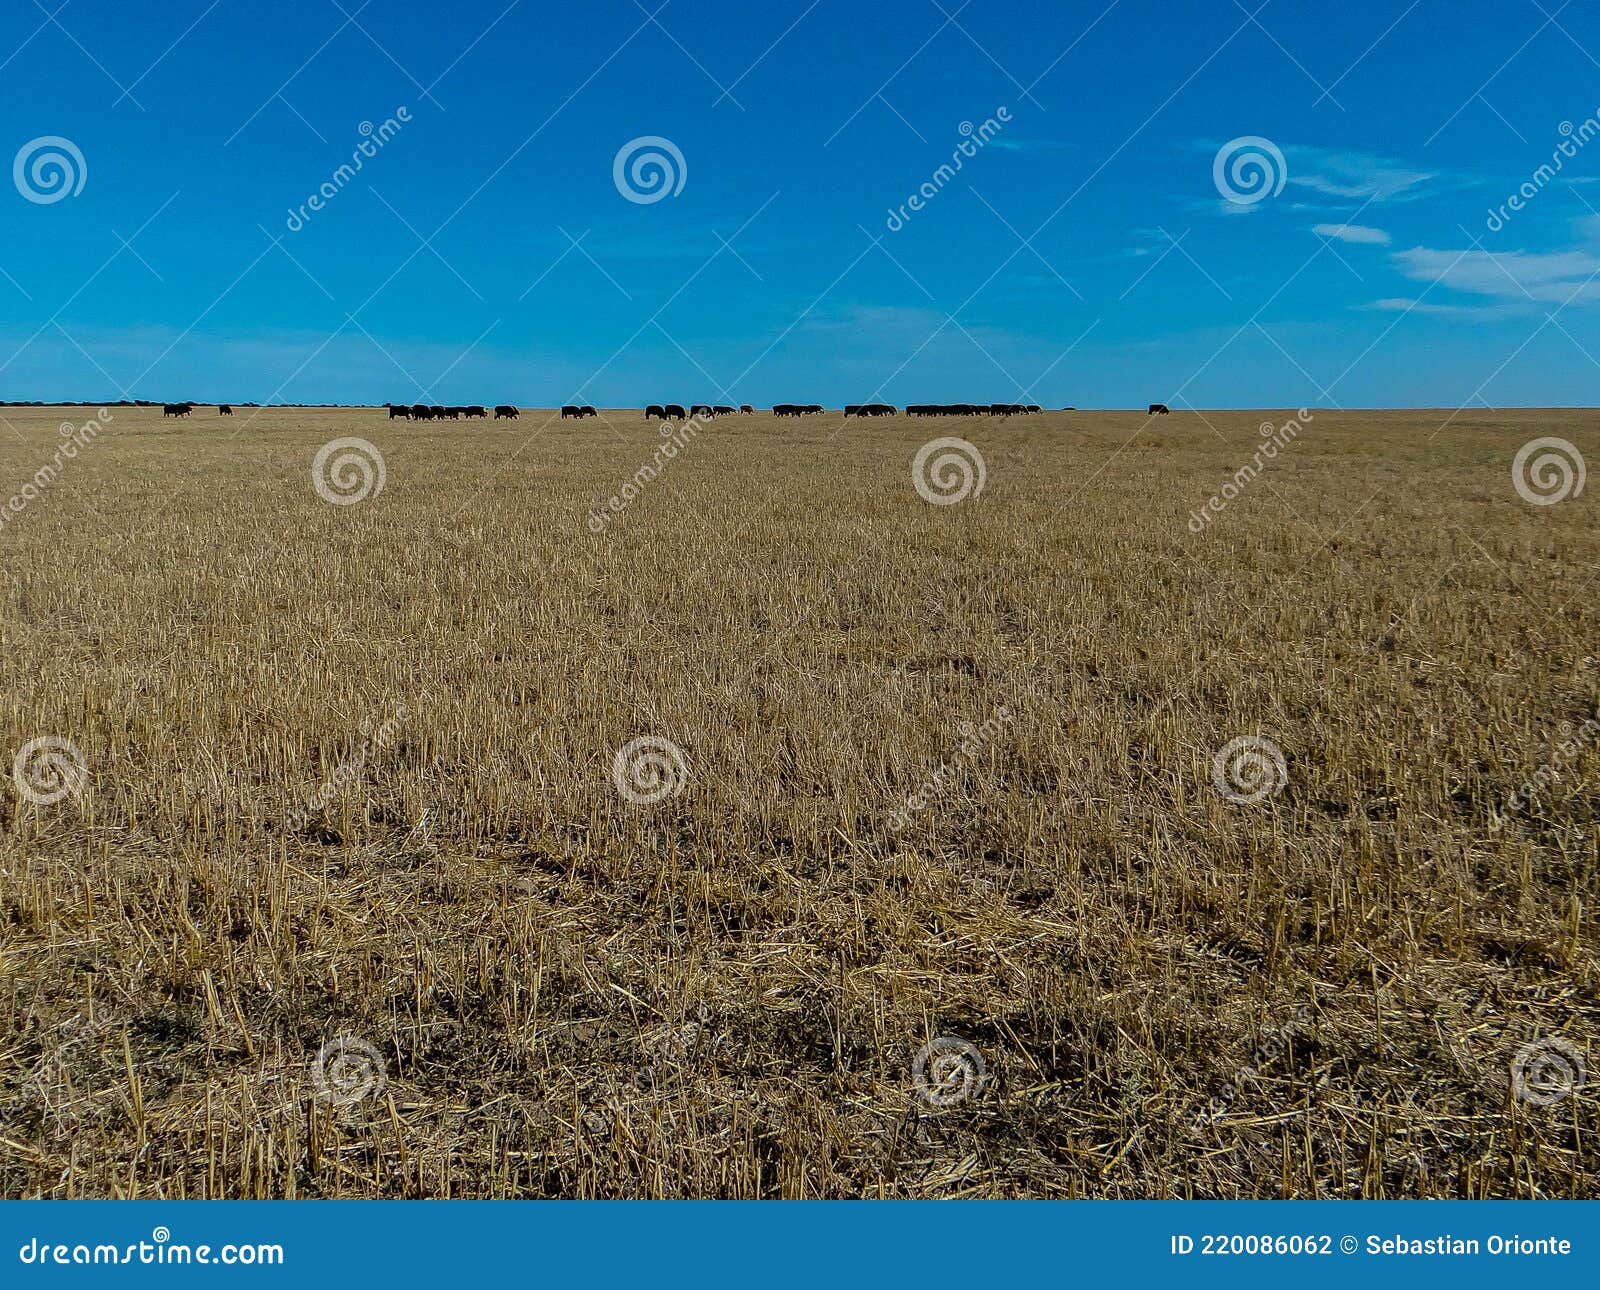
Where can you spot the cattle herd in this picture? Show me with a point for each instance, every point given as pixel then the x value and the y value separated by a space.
pixel 683 412
pixel 433 412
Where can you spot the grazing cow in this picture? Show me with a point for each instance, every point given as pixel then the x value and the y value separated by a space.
pixel 398 410
pixel 1032 408
pixel 655 412
pixel 587 410
pixel 421 412
pixel 455 414
pixel 1158 409
pixel 723 410
pixel 811 409
pixel 504 410
pixel 785 409
pixel 224 410
pixel 476 411
pixel 176 409
pixel 674 412
pixel 745 409
pixel 570 410
pixel 439 413
pixel 702 410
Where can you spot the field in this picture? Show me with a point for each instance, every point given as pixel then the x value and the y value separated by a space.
pixel 333 888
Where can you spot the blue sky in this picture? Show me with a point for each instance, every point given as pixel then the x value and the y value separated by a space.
pixel 1083 254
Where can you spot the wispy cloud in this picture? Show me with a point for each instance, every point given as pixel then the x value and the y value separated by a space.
pixel 1008 144
pixel 1528 277
pixel 1358 233
pixel 1406 305
pixel 1353 175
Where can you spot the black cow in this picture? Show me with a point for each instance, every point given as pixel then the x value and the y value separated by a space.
pixel 811 408
pixel 504 410
pixel 398 410
pixel 674 412
pixel 785 409
pixel 1158 409
pixel 176 409
pixel 745 409
pixel 439 413
pixel 223 410
pixel 1032 408
pixel 702 410
pixel 656 412
pixel 587 410
pixel 723 410
pixel 476 411
pixel 570 410
pixel 421 412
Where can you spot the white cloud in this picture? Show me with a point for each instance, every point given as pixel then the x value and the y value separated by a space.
pixel 1352 233
pixel 1553 277
pixel 1008 144
pixel 1406 305
pixel 1353 174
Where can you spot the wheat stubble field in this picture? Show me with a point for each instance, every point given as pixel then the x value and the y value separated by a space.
pixel 472 967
